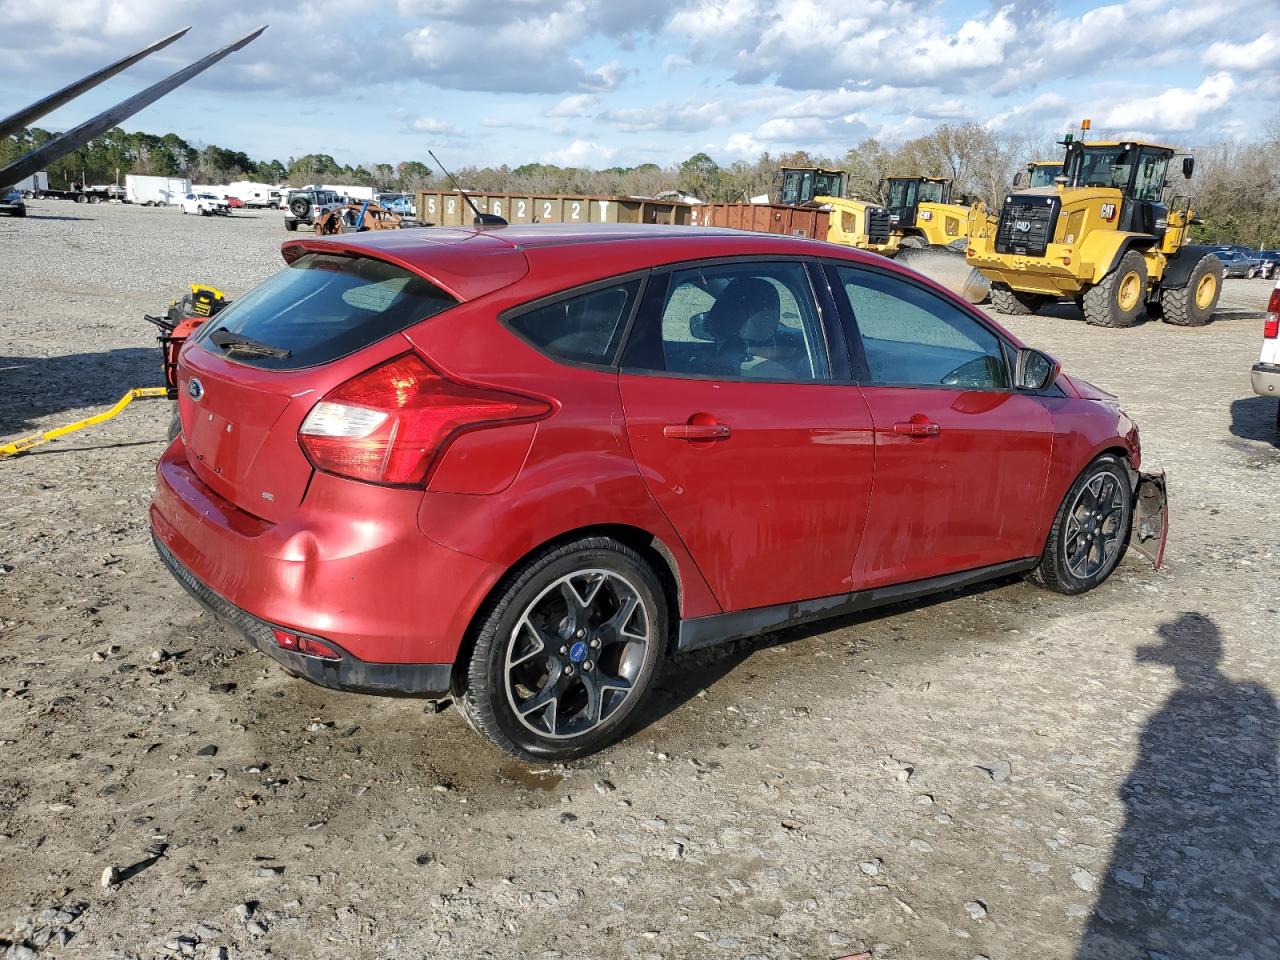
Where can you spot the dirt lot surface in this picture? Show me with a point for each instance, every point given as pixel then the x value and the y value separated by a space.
pixel 1005 773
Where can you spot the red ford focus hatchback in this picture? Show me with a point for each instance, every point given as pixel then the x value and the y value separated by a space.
pixel 523 466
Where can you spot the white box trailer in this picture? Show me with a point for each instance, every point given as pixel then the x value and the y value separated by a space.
pixel 32 186
pixel 155 191
pixel 349 191
pixel 255 194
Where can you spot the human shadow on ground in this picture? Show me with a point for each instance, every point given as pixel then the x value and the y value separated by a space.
pixel 1256 418
pixel 1195 871
pixel 35 387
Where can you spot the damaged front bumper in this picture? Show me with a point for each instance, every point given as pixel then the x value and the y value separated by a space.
pixel 1150 516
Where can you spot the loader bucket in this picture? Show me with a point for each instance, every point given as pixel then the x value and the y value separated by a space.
pixel 949 268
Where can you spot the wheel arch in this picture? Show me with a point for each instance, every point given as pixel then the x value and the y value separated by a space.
pixel 651 548
pixel 1178 270
pixel 1104 264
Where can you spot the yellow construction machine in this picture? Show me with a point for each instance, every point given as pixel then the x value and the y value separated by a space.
pixel 922 215
pixel 853 222
pixel 1110 232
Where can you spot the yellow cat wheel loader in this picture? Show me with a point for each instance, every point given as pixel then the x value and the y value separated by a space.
pixel 922 214
pixel 853 222
pixel 1107 233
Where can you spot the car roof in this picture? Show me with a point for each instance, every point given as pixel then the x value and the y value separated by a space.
pixel 470 262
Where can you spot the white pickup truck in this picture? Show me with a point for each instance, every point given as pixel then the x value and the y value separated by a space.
pixel 1266 372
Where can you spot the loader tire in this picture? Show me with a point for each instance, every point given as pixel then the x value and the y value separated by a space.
pixel 1015 303
pixel 1118 301
pixel 1193 305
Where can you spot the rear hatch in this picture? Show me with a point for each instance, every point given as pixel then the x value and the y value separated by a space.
pixel 248 379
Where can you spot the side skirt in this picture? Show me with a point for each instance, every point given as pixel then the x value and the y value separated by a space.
pixel 723 627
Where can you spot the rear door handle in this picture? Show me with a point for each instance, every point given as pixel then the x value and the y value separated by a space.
pixel 696 431
pixel 916 428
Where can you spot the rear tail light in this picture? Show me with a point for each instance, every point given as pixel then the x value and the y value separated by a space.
pixel 389 424
pixel 309 646
pixel 1271 329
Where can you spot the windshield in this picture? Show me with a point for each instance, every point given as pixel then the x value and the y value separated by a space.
pixel 828 185
pixel 1105 167
pixel 932 191
pixel 1042 175
pixel 324 306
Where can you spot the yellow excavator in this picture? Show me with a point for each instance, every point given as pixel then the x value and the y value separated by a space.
pixel 1109 232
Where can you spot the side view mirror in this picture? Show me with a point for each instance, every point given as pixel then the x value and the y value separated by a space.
pixel 698 327
pixel 1019 179
pixel 1034 370
pixel 1188 167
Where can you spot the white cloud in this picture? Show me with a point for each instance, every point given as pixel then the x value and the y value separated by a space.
pixel 1173 111
pixel 582 153
pixel 432 125
pixel 576 105
pixel 1262 53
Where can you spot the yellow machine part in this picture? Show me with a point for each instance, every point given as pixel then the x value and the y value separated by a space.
pixel 24 444
pixel 942 223
pixel 848 226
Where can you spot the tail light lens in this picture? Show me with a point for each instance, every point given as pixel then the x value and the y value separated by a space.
pixel 389 424
pixel 1271 329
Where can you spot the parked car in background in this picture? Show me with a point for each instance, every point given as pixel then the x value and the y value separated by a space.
pixel 1237 264
pixel 303 206
pixel 1269 263
pixel 205 204
pixel 11 202
pixel 524 466
pixel 401 203
pixel 1266 372
pixel 235 203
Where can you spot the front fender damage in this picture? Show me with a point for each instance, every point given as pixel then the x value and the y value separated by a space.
pixel 1150 516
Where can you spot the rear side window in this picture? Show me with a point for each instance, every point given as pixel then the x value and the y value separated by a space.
pixel 581 328
pixel 321 307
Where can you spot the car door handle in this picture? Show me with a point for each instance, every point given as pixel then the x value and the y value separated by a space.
pixel 696 431
pixel 917 428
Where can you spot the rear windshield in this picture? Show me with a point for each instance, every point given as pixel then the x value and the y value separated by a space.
pixel 321 307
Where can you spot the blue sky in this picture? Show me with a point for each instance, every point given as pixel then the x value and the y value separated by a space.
pixel 604 82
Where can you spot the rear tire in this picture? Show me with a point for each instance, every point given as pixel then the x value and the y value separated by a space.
pixel 291 225
pixel 1118 301
pixel 1193 304
pixel 1015 303
pixel 1090 531
pixel 552 678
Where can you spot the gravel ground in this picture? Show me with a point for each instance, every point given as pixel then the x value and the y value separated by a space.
pixel 1001 773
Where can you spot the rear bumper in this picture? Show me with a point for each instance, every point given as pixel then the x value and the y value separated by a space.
pixel 349 673
pixel 349 566
pixel 1266 379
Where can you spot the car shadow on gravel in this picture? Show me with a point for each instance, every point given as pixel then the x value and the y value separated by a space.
pixel 1255 418
pixel 693 672
pixel 1195 871
pixel 36 387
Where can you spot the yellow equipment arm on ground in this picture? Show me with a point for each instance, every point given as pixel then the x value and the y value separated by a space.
pixel 24 444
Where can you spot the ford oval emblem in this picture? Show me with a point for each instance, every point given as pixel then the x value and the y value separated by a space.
pixel 195 389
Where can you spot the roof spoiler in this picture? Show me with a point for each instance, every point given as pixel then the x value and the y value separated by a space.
pixel 77 137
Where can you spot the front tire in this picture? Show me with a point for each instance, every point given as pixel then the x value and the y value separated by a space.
pixel 566 652
pixel 1090 531
pixel 1193 305
pixel 1118 300
pixel 1015 303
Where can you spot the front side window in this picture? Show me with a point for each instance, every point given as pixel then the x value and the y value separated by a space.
pixel 828 185
pixel 585 328
pixel 903 194
pixel 1150 180
pixel 912 337
pixel 797 186
pixel 743 321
